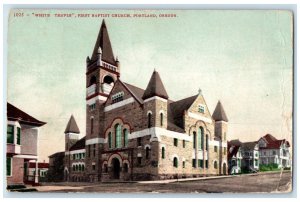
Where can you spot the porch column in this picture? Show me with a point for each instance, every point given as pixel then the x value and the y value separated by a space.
pixel 36 175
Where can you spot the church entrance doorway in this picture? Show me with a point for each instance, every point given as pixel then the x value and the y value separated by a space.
pixel 116 168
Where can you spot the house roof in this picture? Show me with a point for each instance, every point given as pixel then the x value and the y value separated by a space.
pixel 72 126
pixel 235 142
pixel 269 138
pixel 219 113
pixel 16 114
pixel 155 87
pixel 273 143
pixel 103 41
pixel 80 144
pixel 40 165
pixel 249 145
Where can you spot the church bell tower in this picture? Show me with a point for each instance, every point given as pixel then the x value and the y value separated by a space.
pixel 102 71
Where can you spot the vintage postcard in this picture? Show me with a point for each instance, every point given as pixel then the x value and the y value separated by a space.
pixel 149 101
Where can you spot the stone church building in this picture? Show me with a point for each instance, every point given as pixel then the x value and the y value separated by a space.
pixel 141 134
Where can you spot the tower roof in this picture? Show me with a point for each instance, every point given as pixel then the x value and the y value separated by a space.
pixel 104 42
pixel 155 87
pixel 72 126
pixel 219 113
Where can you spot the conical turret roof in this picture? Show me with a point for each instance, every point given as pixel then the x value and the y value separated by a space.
pixel 219 113
pixel 104 43
pixel 72 126
pixel 155 87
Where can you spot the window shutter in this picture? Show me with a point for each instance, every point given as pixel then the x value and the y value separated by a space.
pixel 18 136
pixel 8 166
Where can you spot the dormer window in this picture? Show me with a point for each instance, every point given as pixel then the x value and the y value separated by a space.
pixel 117 97
pixel 201 109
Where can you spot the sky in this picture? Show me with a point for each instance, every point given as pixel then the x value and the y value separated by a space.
pixel 242 58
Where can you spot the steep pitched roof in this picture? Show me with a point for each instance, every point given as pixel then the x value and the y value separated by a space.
pixel 15 114
pixel 248 145
pixel 177 109
pixel 236 142
pixel 273 143
pixel 269 138
pixel 103 41
pixel 155 87
pixel 136 91
pixel 179 106
pixel 72 126
pixel 80 144
pixel 219 113
pixel 174 124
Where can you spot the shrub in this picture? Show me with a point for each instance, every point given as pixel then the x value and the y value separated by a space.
pixel 268 167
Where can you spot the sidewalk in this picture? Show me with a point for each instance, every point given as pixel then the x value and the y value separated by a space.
pixel 206 178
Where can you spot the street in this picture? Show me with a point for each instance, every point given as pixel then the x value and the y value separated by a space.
pixel 262 182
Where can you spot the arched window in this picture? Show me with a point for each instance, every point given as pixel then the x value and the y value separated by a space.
pixel 161 119
pixel 83 167
pixel 125 167
pixel 175 162
pixel 108 79
pixel 76 168
pixel 215 165
pixel 92 125
pixel 149 120
pixel 163 153
pixel 194 140
pixel 109 140
pixel 125 137
pixel 118 135
pixel 92 80
pixel 206 143
pixel 147 152
pixel 200 138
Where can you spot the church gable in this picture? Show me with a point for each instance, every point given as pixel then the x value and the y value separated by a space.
pixel 199 109
pixel 120 93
